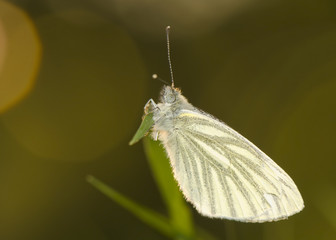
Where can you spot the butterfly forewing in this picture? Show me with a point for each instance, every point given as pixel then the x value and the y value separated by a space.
pixel 224 175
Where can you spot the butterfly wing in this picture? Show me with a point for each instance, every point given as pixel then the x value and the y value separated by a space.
pixel 224 175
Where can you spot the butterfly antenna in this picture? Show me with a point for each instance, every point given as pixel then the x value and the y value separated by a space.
pixel 155 76
pixel 169 60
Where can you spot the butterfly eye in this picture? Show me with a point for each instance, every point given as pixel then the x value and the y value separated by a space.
pixel 171 98
pixel 169 95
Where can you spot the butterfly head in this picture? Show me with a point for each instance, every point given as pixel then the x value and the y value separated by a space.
pixel 170 94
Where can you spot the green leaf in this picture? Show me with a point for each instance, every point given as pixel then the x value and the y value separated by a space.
pixel 179 212
pixel 148 216
pixel 146 124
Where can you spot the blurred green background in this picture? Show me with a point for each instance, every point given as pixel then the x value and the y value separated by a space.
pixel 75 75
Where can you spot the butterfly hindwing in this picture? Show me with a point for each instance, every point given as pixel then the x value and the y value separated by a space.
pixel 226 176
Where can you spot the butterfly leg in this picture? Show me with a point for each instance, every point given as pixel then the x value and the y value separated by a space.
pixel 150 106
pixel 155 135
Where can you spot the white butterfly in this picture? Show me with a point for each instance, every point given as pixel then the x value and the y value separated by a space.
pixel 218 170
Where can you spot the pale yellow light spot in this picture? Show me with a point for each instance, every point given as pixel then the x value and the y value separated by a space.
pixel 20 53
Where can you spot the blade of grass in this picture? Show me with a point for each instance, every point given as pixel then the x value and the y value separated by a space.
pixel 179 212
pixel 148 216
pixel 146 124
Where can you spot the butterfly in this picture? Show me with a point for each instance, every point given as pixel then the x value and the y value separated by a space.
pixel 220 172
